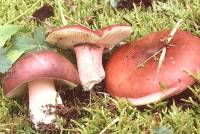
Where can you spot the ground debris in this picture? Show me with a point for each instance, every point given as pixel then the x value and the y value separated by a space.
pixel 112 107
pixel 67 113
pixel 48 128
pixel 44 12
pixel 128 4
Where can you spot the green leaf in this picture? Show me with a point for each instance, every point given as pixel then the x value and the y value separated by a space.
pixel 6 31
pixel 39 35
pixel 37 42
pixel 13 55
pixel 5 64
pixel 23 43
pixel 20 44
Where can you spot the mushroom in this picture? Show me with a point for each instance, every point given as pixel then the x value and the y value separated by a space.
pixel 38 72
pixel 129 76
pixel 89 46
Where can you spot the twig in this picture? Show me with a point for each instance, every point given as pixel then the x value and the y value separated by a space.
pixel 161 60
pixel 166 43
pixel 164 49
pixel 173 31
pixel 142 64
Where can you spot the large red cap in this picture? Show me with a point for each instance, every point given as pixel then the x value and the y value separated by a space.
pixel 36 65
pixel 124 77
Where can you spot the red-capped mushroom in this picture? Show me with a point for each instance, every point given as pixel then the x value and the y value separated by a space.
pixel 37 71
pixel 89 45
pixel 129 76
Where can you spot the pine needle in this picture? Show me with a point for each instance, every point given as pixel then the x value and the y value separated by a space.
pixel 173 31
pixel 161 60
pixel 142 64
pixel 164 49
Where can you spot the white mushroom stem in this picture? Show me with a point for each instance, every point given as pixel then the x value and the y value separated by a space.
pixel 42 93
pixel 89 61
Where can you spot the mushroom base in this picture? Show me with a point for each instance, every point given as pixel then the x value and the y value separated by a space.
pixel 89 60
pixel 42 94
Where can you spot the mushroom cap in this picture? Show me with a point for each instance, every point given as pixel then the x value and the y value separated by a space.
pixel 112 35
pixel 67 37
pixel 124 77
pixel 36 65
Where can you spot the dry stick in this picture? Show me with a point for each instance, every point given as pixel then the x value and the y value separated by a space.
pixel 173 31
pixel 142 64
pixel 161 60
pixel 164 49
pixel 167 41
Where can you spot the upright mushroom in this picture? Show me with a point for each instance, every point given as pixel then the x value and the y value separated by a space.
pixel 89 45
pixel 131 73
pixel 38 71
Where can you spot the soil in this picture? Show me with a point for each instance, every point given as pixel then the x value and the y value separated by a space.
pixel 74 96
pixel 112 107
pixel 48 128
pixel 75 99
pixel 61 111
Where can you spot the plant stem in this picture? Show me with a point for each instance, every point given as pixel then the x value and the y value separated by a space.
pixel 64 22
pixel 109 125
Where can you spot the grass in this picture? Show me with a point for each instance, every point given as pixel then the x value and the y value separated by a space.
pixel 100 113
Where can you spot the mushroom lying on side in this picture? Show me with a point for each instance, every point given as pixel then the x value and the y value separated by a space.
pixel 89 46
pixel 38 71
pixel 129 76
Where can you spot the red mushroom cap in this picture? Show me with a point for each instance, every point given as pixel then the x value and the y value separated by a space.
pixel 124 77
pixel 113 34
pixel 43 64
